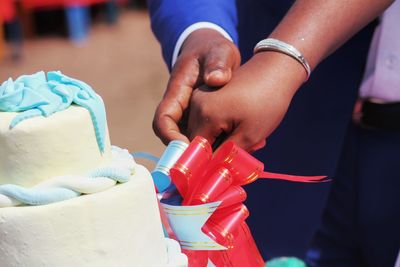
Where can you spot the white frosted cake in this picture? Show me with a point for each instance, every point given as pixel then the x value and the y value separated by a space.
pixel 67 197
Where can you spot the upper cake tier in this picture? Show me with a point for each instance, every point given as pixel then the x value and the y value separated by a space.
pixel 50 126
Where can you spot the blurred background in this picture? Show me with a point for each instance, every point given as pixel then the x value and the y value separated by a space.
pixel 106 43
pixel 109 45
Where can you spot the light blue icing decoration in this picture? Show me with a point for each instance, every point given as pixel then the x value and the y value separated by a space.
pixel 187 221
pixel 34 95
pixel 37 196
pixel 119 175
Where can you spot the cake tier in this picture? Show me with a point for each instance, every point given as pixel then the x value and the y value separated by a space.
pixel 40 148
pixel 117 227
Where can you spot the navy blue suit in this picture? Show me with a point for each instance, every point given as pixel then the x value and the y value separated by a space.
pixel 311 138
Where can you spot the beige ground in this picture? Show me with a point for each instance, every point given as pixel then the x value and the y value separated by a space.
pixel 123 63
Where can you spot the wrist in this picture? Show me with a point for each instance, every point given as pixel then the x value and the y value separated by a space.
pixel 282 70
pixel 192 28
pixel 271 44
pixel 202 38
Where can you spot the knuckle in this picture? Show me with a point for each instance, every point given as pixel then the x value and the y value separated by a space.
pixel 248 140
pixel 184 62
pixel 217 63
pixel 185 71
pixel 227 46
pixel 204 113
pixel 224 52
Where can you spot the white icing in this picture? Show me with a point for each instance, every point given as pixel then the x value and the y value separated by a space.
pixel 175 256
pixel 122 165
pixel 40 148
pixel 121 159
pixel 118 227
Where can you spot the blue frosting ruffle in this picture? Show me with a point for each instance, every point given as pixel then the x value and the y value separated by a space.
pixel 38 196
pixel 34 95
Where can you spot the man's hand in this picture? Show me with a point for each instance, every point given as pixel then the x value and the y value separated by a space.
pixel 251 105
pixel 206 58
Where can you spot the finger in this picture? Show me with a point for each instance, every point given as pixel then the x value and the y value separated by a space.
pixel 204 129
pixel 176 100
pixel 184 77
pixel 219 64
pixel 165 124
pixel 202 124
pixel 258 146
pixel 246 140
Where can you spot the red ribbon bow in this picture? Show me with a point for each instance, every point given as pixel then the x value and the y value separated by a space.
pixel 202 178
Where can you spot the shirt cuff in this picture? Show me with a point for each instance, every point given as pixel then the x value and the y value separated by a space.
pixel 192 28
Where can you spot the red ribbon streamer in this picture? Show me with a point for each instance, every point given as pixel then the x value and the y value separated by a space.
pixel 202 177
pixel 294 178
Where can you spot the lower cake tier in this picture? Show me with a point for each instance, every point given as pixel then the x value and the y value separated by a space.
pixel 117 227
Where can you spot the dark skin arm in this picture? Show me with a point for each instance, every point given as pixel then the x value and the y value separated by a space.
pixel 254 99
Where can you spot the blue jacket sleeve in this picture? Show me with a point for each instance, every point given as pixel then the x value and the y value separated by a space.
pixel 169 18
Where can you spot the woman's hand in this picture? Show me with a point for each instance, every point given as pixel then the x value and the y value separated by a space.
pixel 251 105
pixel 255 98
pixel 206 58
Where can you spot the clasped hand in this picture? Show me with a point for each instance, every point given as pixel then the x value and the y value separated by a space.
pixel 208 94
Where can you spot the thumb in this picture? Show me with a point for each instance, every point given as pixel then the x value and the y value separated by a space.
pixel 219 65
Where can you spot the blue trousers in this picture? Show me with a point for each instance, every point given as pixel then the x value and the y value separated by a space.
pixel 361 223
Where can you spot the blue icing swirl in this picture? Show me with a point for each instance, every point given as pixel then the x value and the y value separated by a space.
pixel 34 95
pixel 37 197
pixel 117 174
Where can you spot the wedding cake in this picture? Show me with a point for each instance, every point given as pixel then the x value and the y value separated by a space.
pixel 67 197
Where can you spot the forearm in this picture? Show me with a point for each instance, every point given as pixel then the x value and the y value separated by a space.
pixel 317 28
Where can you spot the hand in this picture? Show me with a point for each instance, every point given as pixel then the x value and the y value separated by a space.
pixel 251 105
pixel 206 58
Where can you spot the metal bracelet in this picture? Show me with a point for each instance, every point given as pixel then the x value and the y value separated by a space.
pixel 271 44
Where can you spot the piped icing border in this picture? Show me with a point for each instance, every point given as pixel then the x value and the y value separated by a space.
pixel 35 95
pixel 61 188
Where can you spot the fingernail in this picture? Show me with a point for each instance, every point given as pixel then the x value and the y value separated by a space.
pixel 216 74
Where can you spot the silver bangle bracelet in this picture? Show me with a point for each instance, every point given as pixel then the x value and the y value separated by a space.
pixel 271 44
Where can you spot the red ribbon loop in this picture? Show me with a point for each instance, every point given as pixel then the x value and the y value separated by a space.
pixel 202 178
pixel 233 195
pixel 224 223
pixel 244 167
pixel 191 165
pixel 218 182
